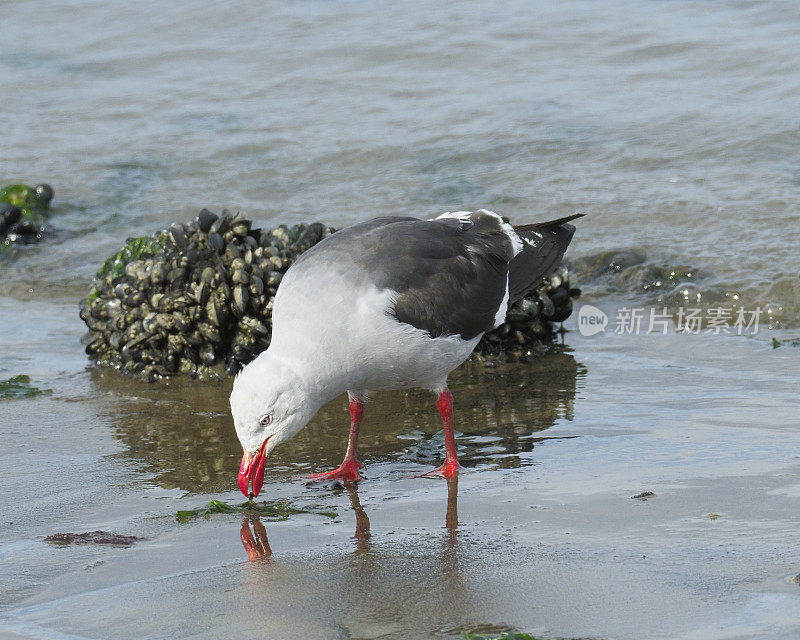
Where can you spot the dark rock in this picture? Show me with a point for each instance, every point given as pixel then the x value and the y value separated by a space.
pixel 43 193
pixel 23 211
pixel 92 537
pixel 9 215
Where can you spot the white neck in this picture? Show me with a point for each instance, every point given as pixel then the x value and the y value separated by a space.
pixel 300 370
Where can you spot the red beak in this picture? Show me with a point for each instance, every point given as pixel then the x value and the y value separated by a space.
pixel 252 470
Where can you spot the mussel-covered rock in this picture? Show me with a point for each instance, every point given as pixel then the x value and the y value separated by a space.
pixel 193 299
pixel 196 299
pixel 22 212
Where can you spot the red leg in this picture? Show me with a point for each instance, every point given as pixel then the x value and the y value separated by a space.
pixel 348 470
pixel 450 467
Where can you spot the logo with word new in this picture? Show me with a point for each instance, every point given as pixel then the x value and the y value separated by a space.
pixel 591 320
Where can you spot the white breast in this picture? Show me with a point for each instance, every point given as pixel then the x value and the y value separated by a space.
pixel 348 341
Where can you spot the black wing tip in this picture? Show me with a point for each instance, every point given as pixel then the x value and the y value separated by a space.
pixel 574 216
pixel 559 226
pixel 554 223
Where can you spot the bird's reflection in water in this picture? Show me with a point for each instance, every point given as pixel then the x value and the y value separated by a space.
pixel 451 515
pixel 362 534
pixel 182 435
pixel 253 533
pixel 255 542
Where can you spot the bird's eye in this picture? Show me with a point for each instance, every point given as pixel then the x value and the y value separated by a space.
pixel 265 419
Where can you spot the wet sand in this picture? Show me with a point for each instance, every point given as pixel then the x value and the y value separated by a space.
pixel 541 533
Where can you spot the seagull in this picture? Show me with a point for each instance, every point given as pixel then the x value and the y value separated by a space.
pixel 391 303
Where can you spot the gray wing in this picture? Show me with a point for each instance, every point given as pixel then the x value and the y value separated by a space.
pixel 448 276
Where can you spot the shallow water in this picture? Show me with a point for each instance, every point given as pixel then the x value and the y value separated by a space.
pixel 672 124
pixel 541 532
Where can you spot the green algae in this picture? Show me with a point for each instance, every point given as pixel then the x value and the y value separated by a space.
pixel 133 249
pixel 19 387
pixel 273 511
pixel 24 197
pixel 795 342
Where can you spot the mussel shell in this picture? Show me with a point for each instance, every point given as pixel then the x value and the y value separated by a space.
pixel 216 242
pixel 207 355
pixel 548 308
pixel 205 219
pixel 240 277
pixel 178 236
pixel 240 300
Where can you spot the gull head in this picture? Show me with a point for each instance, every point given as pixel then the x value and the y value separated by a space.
pixel 269 404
